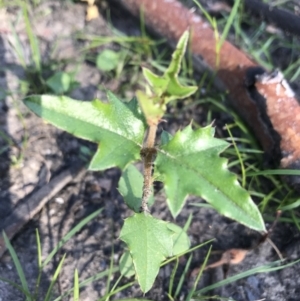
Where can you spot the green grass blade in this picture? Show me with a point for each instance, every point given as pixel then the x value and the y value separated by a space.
pixel 188 222
pixel 76 286
pixel 113 289
pixel 214 26
pixel 18 287
pixel 39 258
pixel 54 278
pixel 205 13
pixel 99 276
pixel 264 203
pixel 295 220
pixel 32 40
pixel 118 290
pixel 232 16
pixel 184 246
pixel 70 234
pixel 172 279
pixel 186 252
pixel 111 265
pixel 183 276
pixel 291 206
pixel 270 267
pixel 39 248
pixel 282 172
pixel 17 263
pixel 238 154
pixel 87 281
pixel 193 289
pixel 17 45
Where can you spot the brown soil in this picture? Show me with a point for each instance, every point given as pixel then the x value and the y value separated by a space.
pixel 50 151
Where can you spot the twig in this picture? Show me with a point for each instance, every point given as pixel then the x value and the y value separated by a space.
pixel 148 153
pixel 25 212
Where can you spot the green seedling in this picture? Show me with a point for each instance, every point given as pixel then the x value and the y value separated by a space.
pixel 112 61
pixel 40 76
pixel 107 60
pixel 220 39
pixel 186 163
pixel 59 83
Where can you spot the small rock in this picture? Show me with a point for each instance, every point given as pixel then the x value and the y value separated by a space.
pixel 59 200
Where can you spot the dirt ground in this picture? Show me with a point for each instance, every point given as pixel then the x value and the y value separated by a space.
pixel 51 151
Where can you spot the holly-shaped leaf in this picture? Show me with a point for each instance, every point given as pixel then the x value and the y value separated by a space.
pixel 117 127
pixel 149 241
pixel 165 88
pixel 190 164
pixel 181 243
pixel 168 86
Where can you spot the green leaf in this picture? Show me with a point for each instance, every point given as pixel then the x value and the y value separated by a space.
pixel 149 241
pixel 167 87
pixel 59 82
pixel 181 241
pixel 165 137
pixel 126 265
pixel 158 83
pixel 107 60
pixel 152 110
pixel 190 164
pixel 17 263
pixel 54 278
pixel 117 125
pixel 131 188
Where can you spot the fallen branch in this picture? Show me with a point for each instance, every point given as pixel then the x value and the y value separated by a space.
pixel 23 213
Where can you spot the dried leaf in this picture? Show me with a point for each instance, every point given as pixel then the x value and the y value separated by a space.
pixel 92 12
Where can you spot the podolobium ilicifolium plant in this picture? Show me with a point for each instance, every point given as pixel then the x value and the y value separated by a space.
pixel 186 163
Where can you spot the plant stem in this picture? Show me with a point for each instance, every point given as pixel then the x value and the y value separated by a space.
pixel 148 153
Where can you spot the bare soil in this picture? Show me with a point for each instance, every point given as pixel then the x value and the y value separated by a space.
pixel 50 151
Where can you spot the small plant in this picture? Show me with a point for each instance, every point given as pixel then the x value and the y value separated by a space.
pixel 213 22
pixel 40 77
pixel 186 163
